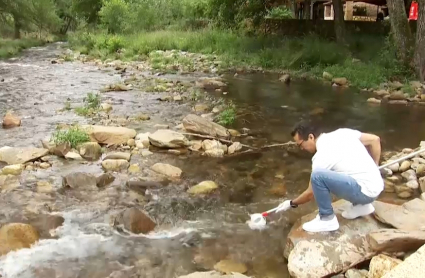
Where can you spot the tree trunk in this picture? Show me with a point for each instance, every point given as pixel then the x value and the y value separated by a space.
pixel 339 21
pixel 307 7
pixel 17 25
pixel 400 30
pixel 420 42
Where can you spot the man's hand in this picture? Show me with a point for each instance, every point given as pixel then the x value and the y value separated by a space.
pixel 373 144
pixel 284 206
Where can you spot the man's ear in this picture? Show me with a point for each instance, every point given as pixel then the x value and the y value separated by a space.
pixel 311 136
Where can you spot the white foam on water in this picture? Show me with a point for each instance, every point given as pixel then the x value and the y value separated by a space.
pixel 72 244
pixel 47 252
pixel 4 64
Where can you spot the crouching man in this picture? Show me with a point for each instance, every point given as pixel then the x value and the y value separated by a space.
pixel 341 165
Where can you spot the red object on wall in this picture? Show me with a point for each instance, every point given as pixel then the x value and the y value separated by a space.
pixel 413 13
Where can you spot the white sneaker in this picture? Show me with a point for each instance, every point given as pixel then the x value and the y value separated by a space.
pixel 318 225
pixel 357 211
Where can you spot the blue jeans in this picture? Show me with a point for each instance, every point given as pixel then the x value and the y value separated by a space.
pixel 324 182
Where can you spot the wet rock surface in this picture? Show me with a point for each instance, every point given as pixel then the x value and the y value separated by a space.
pixel 329 253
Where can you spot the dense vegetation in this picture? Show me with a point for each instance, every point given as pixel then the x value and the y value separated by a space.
pixel 131 29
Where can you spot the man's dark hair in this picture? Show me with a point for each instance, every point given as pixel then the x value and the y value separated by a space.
pixel 304 128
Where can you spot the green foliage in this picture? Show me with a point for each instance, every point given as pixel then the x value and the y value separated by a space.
pixel 91 105
pixel 9 48
pixel 228 115
pixel 114 15
pixel 309 53
pixel 280 12
pixel 74 135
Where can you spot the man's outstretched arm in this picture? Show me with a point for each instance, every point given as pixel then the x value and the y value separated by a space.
pixel 304 197
pixel 373 144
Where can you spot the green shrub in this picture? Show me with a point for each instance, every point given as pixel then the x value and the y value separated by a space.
pixel 74 135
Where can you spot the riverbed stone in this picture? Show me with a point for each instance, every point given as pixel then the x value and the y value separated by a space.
pixel 9 182
pixel 90 150
pixel 104 179
pixel 73 156
pixel 409 175
pixel 166 138
pixel 395 240
pixel 45 165
pixel 420 170
pixel 229 267
pixel 381 264
pixel 356 273
pixel 422 184
pixel 405 165
pixel 394 167
pixel 213 274
pixel 397 95
pixel 135 221
pixel 340 81
pixel 10 120
pixel 118 155
pixel 196 124
pixel 210 83
pixel 328 253
pixel 235 147
pixel 60 149
pixel 15 236
pixel 413 266
pixel 80 180
pixel 109 135
pixel 15 169
pixel 167 170
pixel 115 164
pixel 410 216
pixel 204 187
pixel 373 100
pixel 134 169
pixel 142 140
pixel 21 155
pixel 44 187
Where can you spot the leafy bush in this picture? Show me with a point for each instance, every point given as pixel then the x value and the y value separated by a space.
pixel 74 135
pixel 280 12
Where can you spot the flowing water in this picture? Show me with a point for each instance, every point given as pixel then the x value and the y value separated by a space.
pixel 193 233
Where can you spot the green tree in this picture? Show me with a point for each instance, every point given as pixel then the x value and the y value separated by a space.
pixel 43 15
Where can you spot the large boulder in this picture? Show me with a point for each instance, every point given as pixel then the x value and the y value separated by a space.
pixel 210 83
pixel 166 138
pixel 196 124
pixel 167 170
pixel 115 165
pixel 21 155
pixel 410 216
pixel 380 265
pixel 394 240
pixel 135 221
pixel 80 180
pixel 328 253
pixel 12 169
pixel 10 121
pixel 14 236
pixel 109 135
pixel 90 150
pixel 413 266
pixel 204 187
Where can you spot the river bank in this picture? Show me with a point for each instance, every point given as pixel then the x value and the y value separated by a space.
pixel 366 62
pixel 12 47
pixel 101 191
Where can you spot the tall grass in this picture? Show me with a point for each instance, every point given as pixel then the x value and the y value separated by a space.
pixel 10 47
pixel 366 62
